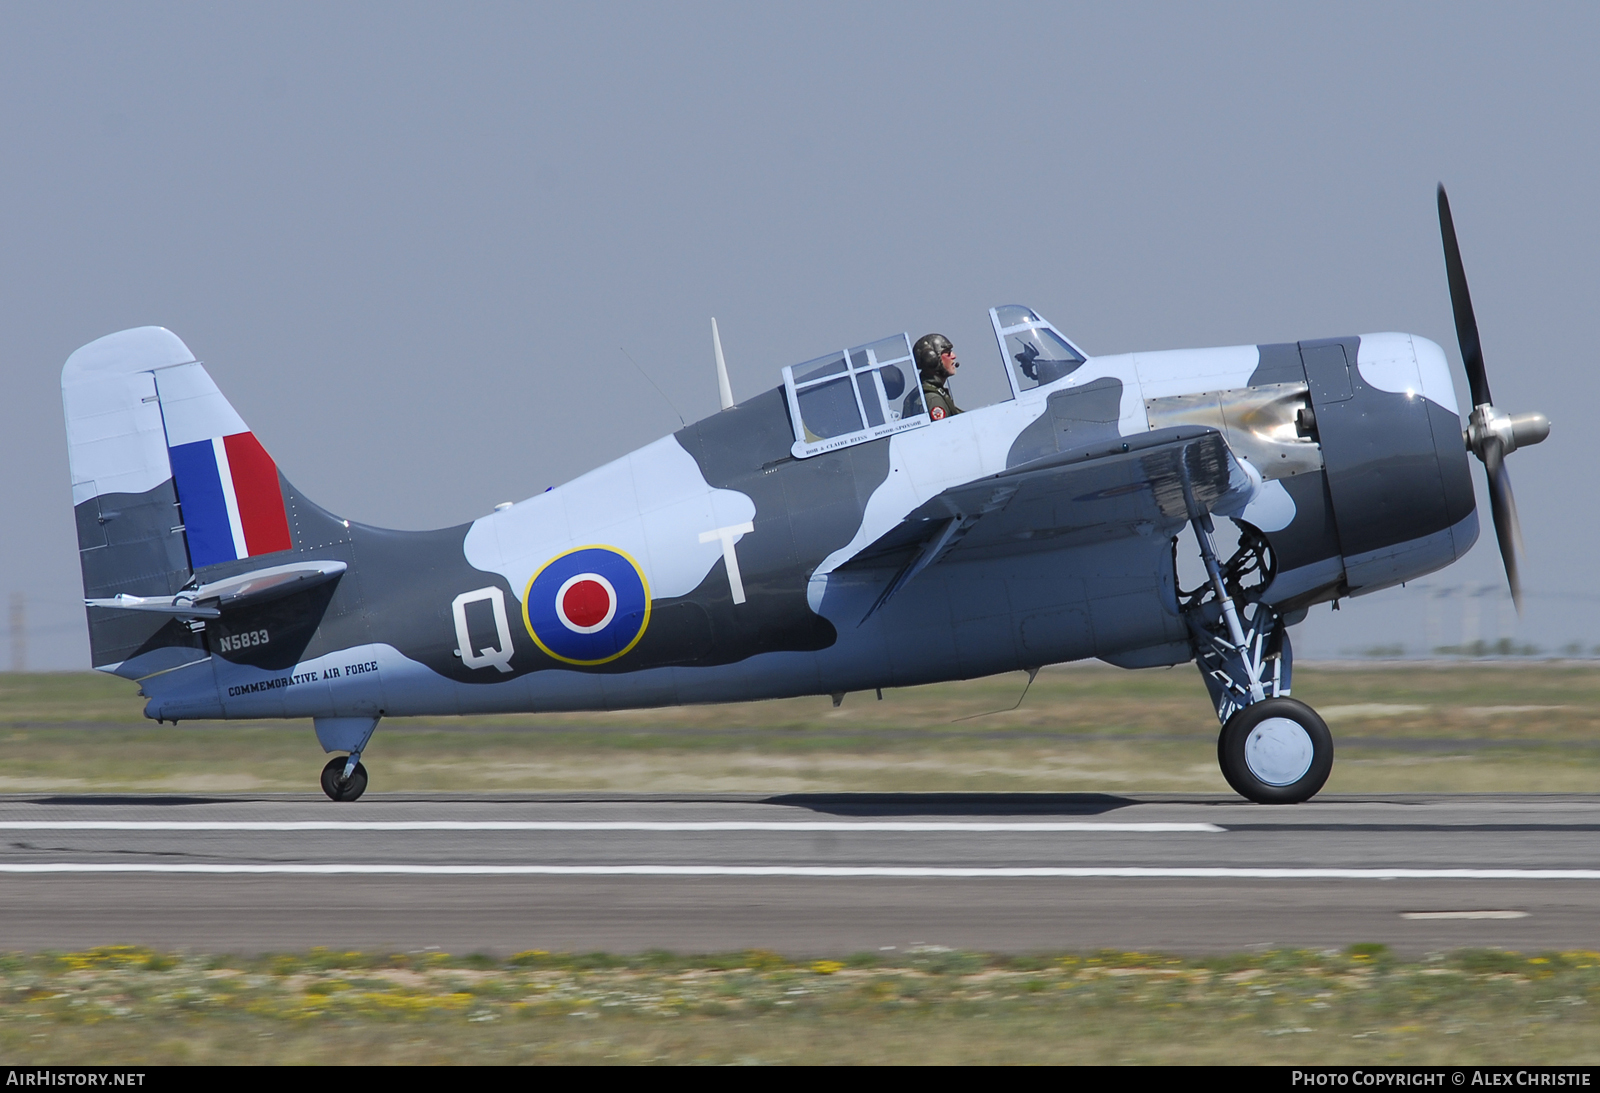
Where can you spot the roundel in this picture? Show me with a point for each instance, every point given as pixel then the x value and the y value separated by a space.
pixel 587 606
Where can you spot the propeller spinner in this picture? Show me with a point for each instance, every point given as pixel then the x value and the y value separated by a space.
pixel 1490 435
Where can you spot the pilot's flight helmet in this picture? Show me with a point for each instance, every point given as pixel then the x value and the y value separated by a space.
pixel 927 351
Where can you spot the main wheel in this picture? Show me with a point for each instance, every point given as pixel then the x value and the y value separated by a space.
pixel 1276 752
pixel 336 786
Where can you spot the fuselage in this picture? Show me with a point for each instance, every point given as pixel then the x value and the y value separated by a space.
pixel 717 565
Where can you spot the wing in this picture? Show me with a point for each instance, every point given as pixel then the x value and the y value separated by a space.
pixel 1146 485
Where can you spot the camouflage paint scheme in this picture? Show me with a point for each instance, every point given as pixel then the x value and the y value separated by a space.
pixel 1033 531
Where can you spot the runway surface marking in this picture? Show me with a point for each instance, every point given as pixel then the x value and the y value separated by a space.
pixel 864 871
pixel 1463 914
pixel 594 825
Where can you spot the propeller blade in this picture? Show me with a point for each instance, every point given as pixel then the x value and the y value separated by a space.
pixel 1507 528
pixel 1461 302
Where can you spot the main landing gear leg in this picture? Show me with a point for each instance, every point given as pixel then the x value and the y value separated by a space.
pixel 1272 749
pixel 344 778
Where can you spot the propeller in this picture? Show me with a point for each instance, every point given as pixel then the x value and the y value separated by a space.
pixel 1490 435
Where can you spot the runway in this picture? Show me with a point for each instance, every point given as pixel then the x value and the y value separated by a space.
pixel 806 875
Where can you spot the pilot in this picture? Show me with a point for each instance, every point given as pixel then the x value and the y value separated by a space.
pixel 936 361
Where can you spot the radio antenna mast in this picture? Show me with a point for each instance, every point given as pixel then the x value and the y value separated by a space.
pixel 724 389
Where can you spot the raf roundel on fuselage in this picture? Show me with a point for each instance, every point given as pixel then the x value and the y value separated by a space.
pixel 587 606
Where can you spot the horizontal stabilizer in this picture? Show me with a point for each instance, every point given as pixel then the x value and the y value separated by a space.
pixel 209 601
pixel 156 605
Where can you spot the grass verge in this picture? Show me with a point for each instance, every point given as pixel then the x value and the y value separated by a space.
pixel 123 1005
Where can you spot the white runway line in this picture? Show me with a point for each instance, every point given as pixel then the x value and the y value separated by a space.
pixel 843 871
pixel 1462 914
pixel 596 825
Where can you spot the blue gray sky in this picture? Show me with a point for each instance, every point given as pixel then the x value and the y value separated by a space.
pixel 412 242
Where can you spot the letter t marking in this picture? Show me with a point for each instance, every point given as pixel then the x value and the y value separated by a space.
pixel 729 556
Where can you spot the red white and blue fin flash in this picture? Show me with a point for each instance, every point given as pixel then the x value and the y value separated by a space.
pixel 232 502
pixel 227 483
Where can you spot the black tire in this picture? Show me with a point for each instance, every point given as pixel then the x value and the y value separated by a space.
pixel 1285 763
pixel 336 786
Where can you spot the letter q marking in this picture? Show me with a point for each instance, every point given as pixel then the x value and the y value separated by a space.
pixel 481 658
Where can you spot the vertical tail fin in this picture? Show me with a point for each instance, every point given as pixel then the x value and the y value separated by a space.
pixel 166 479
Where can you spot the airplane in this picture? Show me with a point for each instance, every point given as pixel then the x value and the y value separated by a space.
pixel 826 536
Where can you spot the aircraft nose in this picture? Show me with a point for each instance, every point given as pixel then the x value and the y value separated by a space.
pixel 1455 471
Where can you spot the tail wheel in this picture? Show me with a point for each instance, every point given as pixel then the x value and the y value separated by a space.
pixel 1276 752
pixel 337 786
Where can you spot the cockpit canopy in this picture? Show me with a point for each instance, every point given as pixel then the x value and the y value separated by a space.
pixel 854 395
pixel 1034 351
pixel 873 391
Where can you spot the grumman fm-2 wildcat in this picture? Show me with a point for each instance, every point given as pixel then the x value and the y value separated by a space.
pixel 826 536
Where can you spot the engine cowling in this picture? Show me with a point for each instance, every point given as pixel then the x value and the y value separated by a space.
pixel 1393 499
